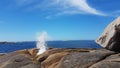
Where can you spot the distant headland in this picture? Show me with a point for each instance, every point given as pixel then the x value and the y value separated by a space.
pixel 7 42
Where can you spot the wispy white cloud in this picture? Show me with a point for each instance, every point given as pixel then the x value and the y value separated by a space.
pixel 61 7
pixel 77 7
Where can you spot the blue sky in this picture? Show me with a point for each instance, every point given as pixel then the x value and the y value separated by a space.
pixel 23 20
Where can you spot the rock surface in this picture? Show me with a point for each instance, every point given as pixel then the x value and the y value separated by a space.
pixel 61 58
pixel 84 60
pixel 112 61
pixel 19 59
pixel 110 38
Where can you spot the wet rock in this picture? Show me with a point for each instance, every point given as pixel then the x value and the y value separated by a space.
pixel 110 38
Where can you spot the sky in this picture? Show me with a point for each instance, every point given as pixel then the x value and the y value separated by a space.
pixel 24 20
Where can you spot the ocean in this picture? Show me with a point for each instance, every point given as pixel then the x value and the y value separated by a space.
pixel 6 48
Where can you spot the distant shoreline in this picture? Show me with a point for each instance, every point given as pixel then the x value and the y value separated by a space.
pixel 7 42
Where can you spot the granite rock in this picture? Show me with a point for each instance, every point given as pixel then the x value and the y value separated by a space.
pixel 85 59
pixel 112 61
pixel 61 58
pixel 19 59
pixel 110 38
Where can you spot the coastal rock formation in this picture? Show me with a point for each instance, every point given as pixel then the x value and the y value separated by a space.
pixel 61 58
pixel 19 59
pixel 85 59
pixel 110 38
pixel 52 58
pixel 112 61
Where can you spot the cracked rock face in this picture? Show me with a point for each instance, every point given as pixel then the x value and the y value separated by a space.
pixel 110 38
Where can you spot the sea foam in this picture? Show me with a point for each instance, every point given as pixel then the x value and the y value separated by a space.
pixel 41 43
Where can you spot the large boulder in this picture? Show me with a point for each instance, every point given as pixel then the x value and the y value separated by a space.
pixel 110 38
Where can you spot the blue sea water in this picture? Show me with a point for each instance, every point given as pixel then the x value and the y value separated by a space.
pixel 6 48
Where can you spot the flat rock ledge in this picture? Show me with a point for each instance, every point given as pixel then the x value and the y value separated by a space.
pixel 61 58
